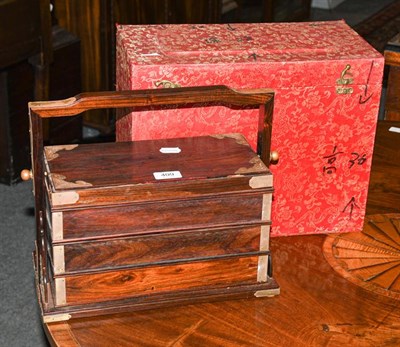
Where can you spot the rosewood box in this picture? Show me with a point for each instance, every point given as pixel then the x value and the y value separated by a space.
pixel 327 84
pixel 143 224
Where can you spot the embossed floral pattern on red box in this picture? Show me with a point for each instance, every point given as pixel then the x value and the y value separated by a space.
pixel 327 84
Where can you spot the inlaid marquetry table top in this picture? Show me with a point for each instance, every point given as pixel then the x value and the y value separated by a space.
pixel 370 259
pixel 345 301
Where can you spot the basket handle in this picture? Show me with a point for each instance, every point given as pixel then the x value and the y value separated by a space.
pixel 150 98
pixel 145 99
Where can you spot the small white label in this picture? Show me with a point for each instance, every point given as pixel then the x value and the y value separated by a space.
pixel 394 129
pixel 170 150
pixel 165 175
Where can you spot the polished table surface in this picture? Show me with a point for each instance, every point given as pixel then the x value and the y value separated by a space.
pixel 392 61
pixel 317 305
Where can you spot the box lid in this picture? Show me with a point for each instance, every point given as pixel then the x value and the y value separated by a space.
pixel 124 172
pixel 299 45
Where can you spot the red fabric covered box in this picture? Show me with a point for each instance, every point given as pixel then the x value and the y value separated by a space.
pixel 327 83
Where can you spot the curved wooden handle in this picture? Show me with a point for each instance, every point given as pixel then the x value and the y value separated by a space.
pixel 150 98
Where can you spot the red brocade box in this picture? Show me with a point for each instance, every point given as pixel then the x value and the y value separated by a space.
pixel 327 84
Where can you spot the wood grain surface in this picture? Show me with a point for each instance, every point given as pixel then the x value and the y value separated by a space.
pixel 392 60
pixel 92 166
pixel 162 216
pixel 370 259
pixel 316 307
pixel 123 174
pixel 384 187
pixel 146 192
pixel 113 285
pixel 164 248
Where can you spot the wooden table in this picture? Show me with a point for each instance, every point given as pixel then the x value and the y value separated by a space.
pixel 317 306
pixel 392 60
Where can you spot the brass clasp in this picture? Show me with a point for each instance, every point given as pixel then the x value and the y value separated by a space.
pixel 344 76
pixel 344 80
pixel 167 84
